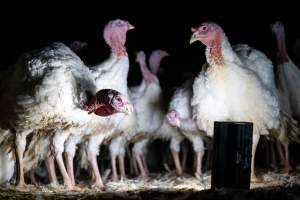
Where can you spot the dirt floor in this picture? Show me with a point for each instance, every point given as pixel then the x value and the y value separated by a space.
pixel 166 186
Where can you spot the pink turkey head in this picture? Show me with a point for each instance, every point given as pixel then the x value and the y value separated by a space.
pixel 120 102
pixel 147 75
pixel 173 118
pixel 278 28
pixel 155 59
pixel 282 54
pixel 209 33
pixel 115 35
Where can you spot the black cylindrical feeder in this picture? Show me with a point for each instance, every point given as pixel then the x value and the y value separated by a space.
pixel 232 145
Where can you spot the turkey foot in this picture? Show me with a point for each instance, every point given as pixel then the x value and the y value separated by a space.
pixel 198 176
pixel 254 179
pixel 273 167
pixel 114 178
pixel 286 169
pixel 21 184
pixel 70 168
pixel 143 176
pixel 98 184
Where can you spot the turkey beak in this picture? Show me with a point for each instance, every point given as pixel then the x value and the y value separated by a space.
pixel 128 108
pixel 194 38
pixel 177 123
pixel 130 27
pixel 173 122
pixel 166 54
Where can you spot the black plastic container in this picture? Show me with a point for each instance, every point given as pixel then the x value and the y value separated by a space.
pixel 232 145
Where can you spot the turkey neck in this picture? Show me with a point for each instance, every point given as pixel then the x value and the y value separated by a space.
pixel 214 54
pixel 282 55
pixel 147 75
pixel 219 52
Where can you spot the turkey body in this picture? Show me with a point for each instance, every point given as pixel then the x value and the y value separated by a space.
pixel 228 91
pixel 45 94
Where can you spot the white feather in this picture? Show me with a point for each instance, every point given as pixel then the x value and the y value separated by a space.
pixel 232 92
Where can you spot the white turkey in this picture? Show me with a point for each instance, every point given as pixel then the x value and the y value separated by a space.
pixel 288 73
pixel 79 48
pixel 112 74
pixel 287 76
pixel 122 134
pixel 180 115
pixel 229 91
pixel 148 106
pixel 166 131
pixel 45 96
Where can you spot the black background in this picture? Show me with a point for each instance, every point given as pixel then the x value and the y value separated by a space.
pixel 167 26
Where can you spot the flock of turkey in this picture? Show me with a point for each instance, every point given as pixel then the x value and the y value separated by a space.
pixel 52 104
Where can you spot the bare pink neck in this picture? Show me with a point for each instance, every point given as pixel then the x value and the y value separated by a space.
pixel 147 75
pixel 215 50
pixel 282 55
pixel 120 51
pixel 215 54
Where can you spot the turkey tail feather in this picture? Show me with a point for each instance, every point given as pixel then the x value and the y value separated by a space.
pixel 289 129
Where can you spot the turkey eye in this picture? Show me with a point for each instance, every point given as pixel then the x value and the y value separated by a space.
pixel 118 99
pixel 175 115
pixel 119 23
pixel 204 28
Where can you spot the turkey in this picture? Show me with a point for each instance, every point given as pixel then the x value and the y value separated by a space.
pixel 79 47
pixel 180 115
pixel 288 73
pixel 227 90
pixel 147 101
pixel 166 131
pixel 111 74
pixel 45 96
pixel 123 133
pixel 287 76
pixel 104 103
